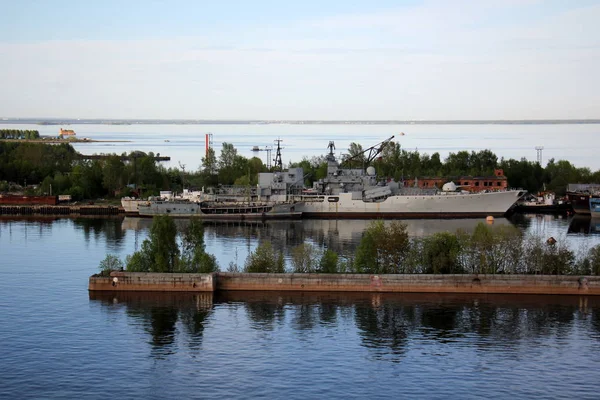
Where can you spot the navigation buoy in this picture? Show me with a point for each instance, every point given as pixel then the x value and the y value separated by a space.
pixel 489 219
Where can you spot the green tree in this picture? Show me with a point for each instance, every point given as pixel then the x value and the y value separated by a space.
pixel 328 263
pixel 303 258
pixel 110 263
pixel 264 259
pixel 440 254
pixel 159 252
pixel 193 255
pixel 383 249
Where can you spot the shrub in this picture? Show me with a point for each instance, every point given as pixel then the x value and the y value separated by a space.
pixel 264 259
pixel 383 250
pixel 110 263
pixel 440 254
pixel 303 258
pixel 594 257
pixel 328 263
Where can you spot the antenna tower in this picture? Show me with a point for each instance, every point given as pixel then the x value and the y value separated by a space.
pixel 278 164
pixel 539 153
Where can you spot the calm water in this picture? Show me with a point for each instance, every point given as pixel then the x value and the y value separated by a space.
pixel 576 143
pixel 59 341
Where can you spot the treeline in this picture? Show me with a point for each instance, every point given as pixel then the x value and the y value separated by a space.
pixel 387 249
pixel 19 134
pixel 384 249
pixel 58 169
pixel 59 166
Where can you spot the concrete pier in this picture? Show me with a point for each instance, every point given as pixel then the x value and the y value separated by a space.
pixel 153 282
pixel 502 284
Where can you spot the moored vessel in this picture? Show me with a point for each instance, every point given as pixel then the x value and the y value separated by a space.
pixel 579 196
pixel 358 193
pixel 218 210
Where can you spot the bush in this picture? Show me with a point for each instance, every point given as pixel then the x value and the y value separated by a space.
pixel 383 250
pixel 110 263
pixel 594 257
pixel 328 263
pixel 265 259
pixel 303 258
pixel 440 254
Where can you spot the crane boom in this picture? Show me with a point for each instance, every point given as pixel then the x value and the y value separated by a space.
pixel 373 152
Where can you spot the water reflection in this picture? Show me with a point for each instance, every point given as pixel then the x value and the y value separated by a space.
pixel 584 224
pixel 389 321
pixel 387 325
pixel 341 236
pixel 111 228
pixel 163 316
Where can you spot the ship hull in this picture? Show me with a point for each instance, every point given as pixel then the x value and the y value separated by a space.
pixel 130 206
pixel 580 202
pixel 448 205
pixel 222 212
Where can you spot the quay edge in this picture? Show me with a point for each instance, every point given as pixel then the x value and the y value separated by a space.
pixel 401 283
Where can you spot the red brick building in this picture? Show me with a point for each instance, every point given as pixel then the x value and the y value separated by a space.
pixel 470 183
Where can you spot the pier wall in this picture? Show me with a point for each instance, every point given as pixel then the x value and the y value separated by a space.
pixel 153 282
pixel 418 283
pixel 501 284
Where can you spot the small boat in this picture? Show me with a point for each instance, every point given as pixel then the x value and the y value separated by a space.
pixel 544 203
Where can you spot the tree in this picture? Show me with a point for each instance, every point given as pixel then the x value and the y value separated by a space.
pixel 383 250
pixel 159 252
pixel 264 259
pixel 110 263
pixel 328 263
pixel 112 173
pixel 356 152
pixel 193 255
pixel 303 258
pixel 209 162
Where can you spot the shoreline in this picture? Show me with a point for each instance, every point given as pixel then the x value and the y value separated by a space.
pixel 59 141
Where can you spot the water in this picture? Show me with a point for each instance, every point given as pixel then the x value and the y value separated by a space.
pixel 59 341
pixel 576 143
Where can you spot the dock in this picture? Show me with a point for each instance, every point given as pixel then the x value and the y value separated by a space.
pixel 60 210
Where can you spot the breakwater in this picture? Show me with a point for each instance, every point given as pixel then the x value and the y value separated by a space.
pixel 401 283
pixel 59 210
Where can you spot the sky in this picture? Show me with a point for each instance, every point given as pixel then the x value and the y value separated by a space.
pixel 311 59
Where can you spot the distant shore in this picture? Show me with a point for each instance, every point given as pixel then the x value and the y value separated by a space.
pixel 51 121
pixel 55 141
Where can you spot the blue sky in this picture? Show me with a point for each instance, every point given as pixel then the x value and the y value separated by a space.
pixel 432 59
